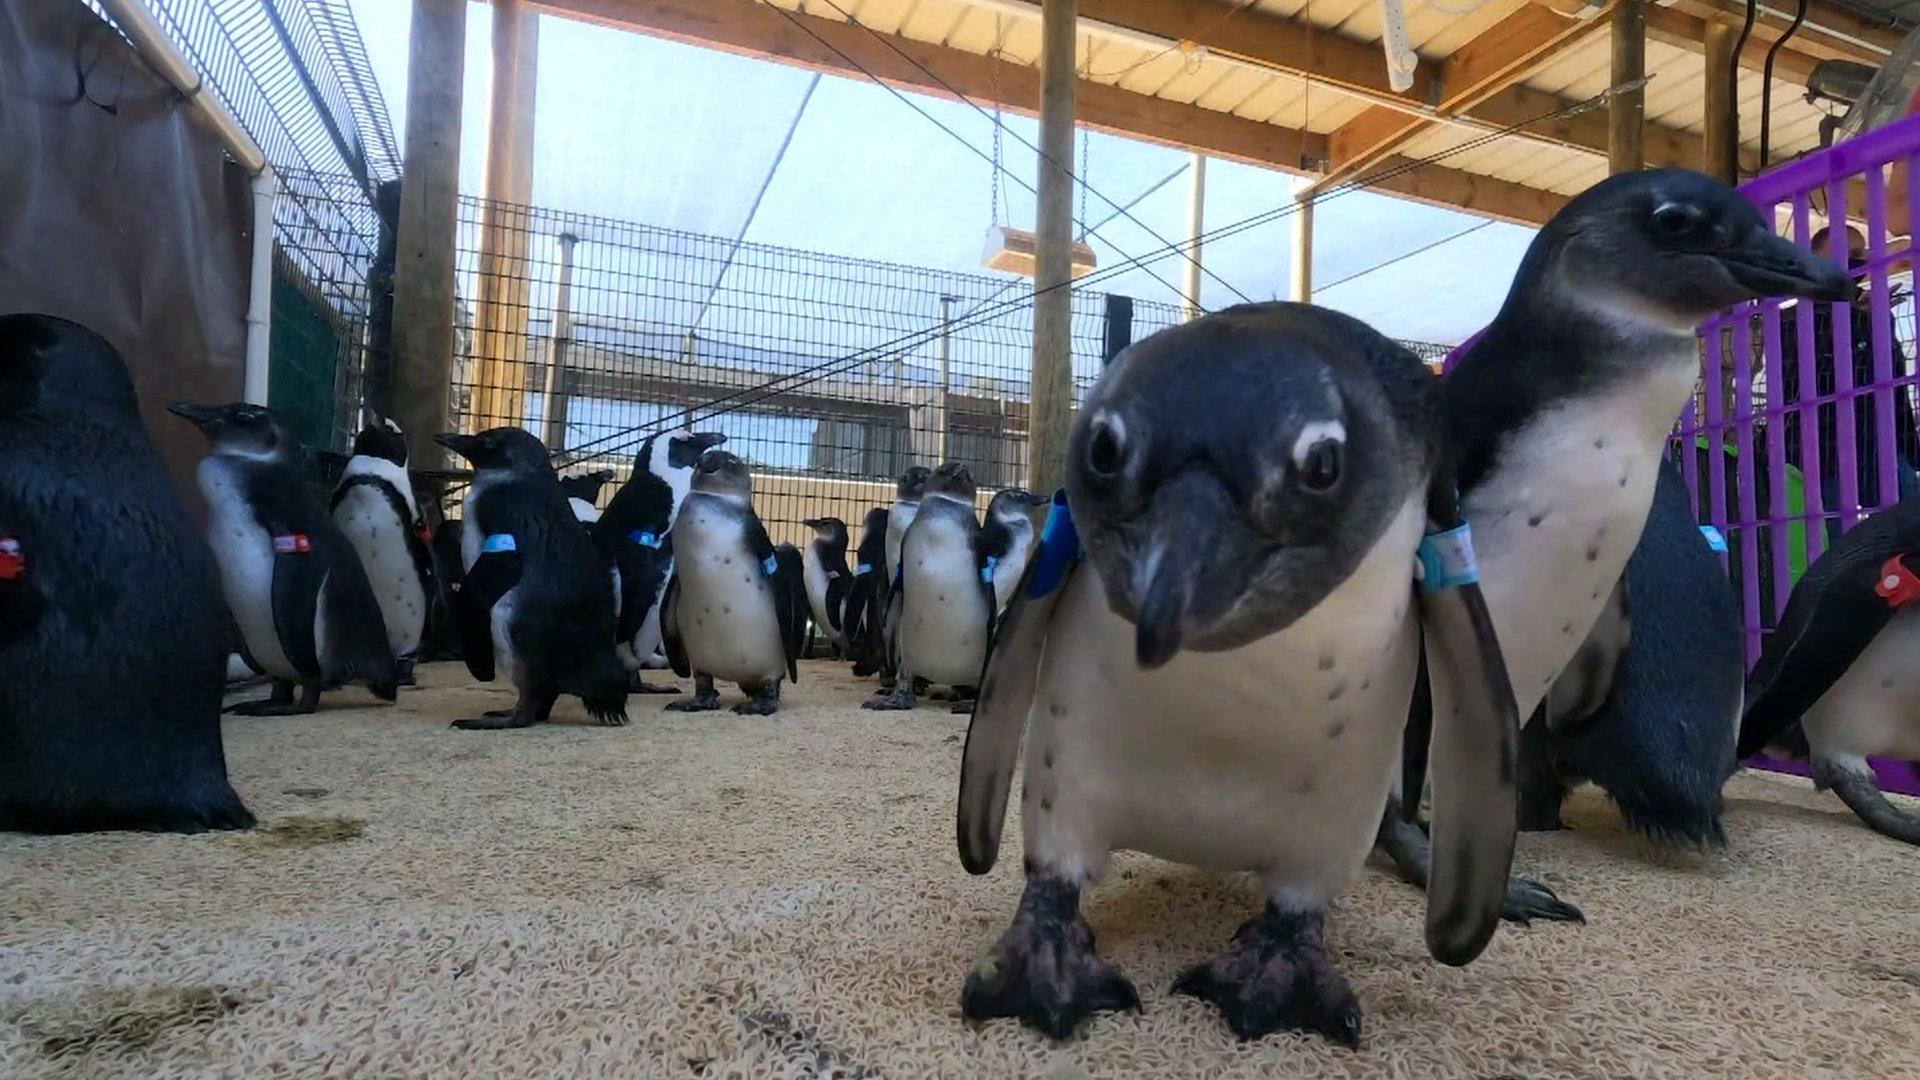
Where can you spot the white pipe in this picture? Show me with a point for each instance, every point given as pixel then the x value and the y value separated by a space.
pixel 266 192
pixel 1196 229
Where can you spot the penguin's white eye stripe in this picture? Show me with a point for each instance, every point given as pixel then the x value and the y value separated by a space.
pixel 1316 432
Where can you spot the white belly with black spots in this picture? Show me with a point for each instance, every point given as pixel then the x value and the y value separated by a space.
pixel 1557 517
pixel 1006 572
pixel 1274 758
pixel 380 539
pixel 816 580
pixel 943 615
pixel 1874 709
pixel 244 552
pixel 725 610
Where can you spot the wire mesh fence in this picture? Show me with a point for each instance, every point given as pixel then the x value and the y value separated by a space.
pixel 829 374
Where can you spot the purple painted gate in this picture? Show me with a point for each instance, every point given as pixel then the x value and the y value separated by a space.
pixel 1786 446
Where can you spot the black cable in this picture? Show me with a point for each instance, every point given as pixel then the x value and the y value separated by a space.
pixel 1404 256
pixel 1766 83
pixel 1733 82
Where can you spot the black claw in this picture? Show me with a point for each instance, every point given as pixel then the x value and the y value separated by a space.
pixel 492 722
pixel 1528 900
pixel 1044 970
pixel 1277 976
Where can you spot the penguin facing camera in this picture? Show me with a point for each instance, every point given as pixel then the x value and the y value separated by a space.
pixel 1838 680
pixel 736 608
pixel 941 613
pixel 1558 414
pixel 1649 708
pixel 307 615
pixel 637 530
pixel 113 642
pixel 1223 678
pixel 867 599
pixel 829 579
pixel 533 602
pixel 583 493
pixel 1007 540
pixel 908 492
pixel 374 507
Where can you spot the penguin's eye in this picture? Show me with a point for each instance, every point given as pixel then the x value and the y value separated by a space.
pixel 1106 453
pixel 1320 468
pixel 1677 220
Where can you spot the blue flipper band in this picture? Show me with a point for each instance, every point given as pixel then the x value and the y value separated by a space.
pixel 769 565
pixel 1059 547
pixel 864 568
pixel 645 539
pixel 498 542
pixel 1446 559
pixel 1715 539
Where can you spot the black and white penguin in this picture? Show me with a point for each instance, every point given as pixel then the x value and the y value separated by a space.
pixel 941 613
pixel 828 578
pixel 534 600
pixel 736 608
pixel 113 641
pixel 1838 680
pixel 1007 540
pixel 374 506
pixel 1223 679
pixel 906 504
pixel 448 570
pixel 583 493
pixel 1649 707
pixel 637 532
pixel 1558 414
pixel 867 600
pixel 306 613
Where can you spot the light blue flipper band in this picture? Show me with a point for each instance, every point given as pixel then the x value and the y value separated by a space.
pixel 645 539
pixel 1715 539
pixel 1446 560
pixel 986 572
pixel 769 565
pixel 498 542
pixel 864 568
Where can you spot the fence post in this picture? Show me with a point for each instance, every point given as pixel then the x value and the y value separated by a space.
pixel 558 379
pixel 1628 109
pixel 376 377
pixel 1052 395
pixel 500 319
pixel 1119 327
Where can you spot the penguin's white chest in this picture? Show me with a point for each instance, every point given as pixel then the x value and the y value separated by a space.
pixel 1006 572
pixel 816 581
pixel 1274 758
pixel 244 553
pixel 726 613
pixel 583 511
pixel 898 519
pixel 1556 519
pixel 1874 709
pixel 943 622
pixel 380 539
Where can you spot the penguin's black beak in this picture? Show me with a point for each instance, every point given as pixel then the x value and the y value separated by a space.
pixel 815 523
pixel 201 416
pixel 464 445
pixel 707 440
pixel 1772 266
pixel 1039 500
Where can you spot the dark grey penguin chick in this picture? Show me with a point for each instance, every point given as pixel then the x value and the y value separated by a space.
pixel 867 600
pixel 1224 679
pixel 737 607
pixel 1839 679
pixel 534 599
pixel 941 613
pixel 829 579
pixel 113 639
pixel 1558 414
pixel 294 583
pixel 374 506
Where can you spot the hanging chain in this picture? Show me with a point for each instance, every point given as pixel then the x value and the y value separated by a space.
pixel 993 209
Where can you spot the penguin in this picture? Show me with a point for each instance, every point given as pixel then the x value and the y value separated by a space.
pixel 113 643
pixel 294 583
pixel 637 533
pixel 1006 540
pixel 866 600
pixel 941 613
pixel 913 485
pixel 1649 708
pixel 828 579
pixel 736 608
pixel 1213 655
pixel 1558 413
pixel 1838 681
pixel 583 492
pixel 374 506
pixel 443 626
pixel 533 600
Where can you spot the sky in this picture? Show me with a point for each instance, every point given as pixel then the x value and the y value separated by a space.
pixel 651 131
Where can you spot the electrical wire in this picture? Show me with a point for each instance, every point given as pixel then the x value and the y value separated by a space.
pixel 1383 264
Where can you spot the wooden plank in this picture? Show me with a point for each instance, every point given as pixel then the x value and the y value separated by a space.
pixel 1718 154
pixel 1052 372
pixel 1627 112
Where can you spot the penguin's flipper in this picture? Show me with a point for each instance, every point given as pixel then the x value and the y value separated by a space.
pixel 984 561
pixel 490 577
pixel 298 576
pixel 853 611
pixel 790 604
pixel 670 640
pixel 357 648
pixel 20 602
pixel 839 587
pixel 1007 684
pixel 1474 747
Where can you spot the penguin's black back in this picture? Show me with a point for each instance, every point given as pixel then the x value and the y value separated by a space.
pixel 110 701
pixel 644 504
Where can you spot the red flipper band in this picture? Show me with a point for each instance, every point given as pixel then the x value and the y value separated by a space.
pixel 13 560
pixel 1898 586
pixel 291 543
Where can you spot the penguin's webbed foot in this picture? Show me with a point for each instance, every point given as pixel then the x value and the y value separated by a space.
pixel 701 701
pixel 280 702
pixel 898 699
pixel 1528 900
pixel 642 686
pixel 404 671
pixel 1277 976
pixel 764 702
pixel 963 708
pixel 497 720
pixel 1044 970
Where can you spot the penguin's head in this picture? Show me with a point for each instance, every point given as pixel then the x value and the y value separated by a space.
pixel 381 438
pixel 675 450
pixel 1016 505
pixel 47 363
pixel 1227 474
pixel 830 531
pixel 502 449
pixel 586 486
pixel 240 429
pixel 1663 249
pixel 721 473
pixel 953 480
pixel 913 482
pixel 876 523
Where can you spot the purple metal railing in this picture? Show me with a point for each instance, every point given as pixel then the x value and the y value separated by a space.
pixel 1805 404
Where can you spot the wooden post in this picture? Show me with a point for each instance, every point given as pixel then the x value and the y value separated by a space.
pixel 500 317
pixel 1627 114
pixel 429 195
pixel 1196 228
pixel 1721 145
pixel 1052 280
pixel 1302 268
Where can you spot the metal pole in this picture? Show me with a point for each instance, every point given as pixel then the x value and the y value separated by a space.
pixel 1627 113
pixel 1052 376
pixel 1302 279
pixel 558 378
pixel 946 317
pixel 1196 228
